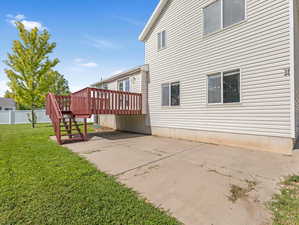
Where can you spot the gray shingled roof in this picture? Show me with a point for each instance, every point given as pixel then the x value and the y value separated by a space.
pixel 7 103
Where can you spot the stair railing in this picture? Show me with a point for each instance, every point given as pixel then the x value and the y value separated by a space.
pixel 54 112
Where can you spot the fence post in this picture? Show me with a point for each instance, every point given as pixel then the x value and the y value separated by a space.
pixel 11 119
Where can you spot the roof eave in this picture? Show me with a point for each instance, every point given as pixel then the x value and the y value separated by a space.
pixel 152 20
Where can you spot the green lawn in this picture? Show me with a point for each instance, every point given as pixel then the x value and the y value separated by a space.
pixel 42 183
pixel 285 206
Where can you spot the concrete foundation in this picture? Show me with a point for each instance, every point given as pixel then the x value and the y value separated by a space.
pixel 138 124
pixel 253 142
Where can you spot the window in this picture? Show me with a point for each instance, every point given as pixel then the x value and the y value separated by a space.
pixel 223 13
pixel 124 85
pixel 233 12
pixel 224 87
pixel 105 86
pixel 161 40
pixel 231 86
pixel 165 95
pixel 212 17
pixel 214 88
pixel 171 94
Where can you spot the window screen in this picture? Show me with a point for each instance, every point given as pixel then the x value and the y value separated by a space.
pixel 175 94
pixel 231 86
pixel 214 88
pixel 212 17
pixel 165 95
pixel 233 11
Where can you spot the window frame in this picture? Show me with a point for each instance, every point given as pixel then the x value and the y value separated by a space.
pixel 222 18
pixel 123 81
pixel 169 94
pixel 160 40
pixel 222 100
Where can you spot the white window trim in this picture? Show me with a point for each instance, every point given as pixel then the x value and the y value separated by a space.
pixel 222 103
pixel 169 85
pixel 222 28
pixel 160 40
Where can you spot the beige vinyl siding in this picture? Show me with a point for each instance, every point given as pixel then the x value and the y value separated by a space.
pixel 259 46
pixel 135 83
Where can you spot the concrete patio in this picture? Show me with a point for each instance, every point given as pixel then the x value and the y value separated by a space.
pixel 191 180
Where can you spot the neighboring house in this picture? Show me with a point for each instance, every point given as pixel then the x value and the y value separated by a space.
pixel 7 104
pixel 220 71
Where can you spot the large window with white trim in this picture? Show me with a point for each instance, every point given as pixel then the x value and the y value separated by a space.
pixel 223 13
pixel 224 87
pixel 171 94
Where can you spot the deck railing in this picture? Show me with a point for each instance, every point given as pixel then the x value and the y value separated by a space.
pixel 99 101
pixel 54 112
pixel 64 103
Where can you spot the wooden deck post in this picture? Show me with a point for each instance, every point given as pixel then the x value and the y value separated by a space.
pixel 85 129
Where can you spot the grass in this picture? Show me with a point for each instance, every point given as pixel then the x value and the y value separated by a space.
pixel 285 205
pixel 43 183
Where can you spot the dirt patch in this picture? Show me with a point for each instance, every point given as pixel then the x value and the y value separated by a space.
pixel 237 192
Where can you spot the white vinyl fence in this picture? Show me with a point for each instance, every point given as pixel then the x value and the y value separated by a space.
pixel 21 117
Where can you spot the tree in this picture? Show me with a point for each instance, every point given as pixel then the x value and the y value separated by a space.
pixel 59 84
pixel 31 73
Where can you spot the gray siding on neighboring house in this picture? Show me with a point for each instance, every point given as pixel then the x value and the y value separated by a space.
pixel 259 46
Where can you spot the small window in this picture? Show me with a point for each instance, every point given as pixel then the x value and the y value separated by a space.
pixel 233 12
pixel 124 85
pixel 212 17
pixel 121 86
pixel 162 40
pixel 171 94
pixel 224 87
pixel 175 94
pixel 165 95
pixel 223 13
pixel 231 86
pixel 214 88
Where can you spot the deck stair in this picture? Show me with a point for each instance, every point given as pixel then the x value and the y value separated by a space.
pixel 65 110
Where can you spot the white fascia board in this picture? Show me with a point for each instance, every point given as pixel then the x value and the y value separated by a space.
pixel 152 19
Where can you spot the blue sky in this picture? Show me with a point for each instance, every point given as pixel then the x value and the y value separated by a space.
pixel 94 37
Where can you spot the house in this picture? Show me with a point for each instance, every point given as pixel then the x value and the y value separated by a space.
pixel 7 104
pixel 218 71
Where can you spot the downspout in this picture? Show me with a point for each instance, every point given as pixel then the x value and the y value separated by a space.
pixel 292 67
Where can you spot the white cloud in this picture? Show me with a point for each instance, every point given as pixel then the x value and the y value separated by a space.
pixel 3 87
pixel 20 17
pixel 78 60
pixel 89 64
pixel 101 43
pixel 29 25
